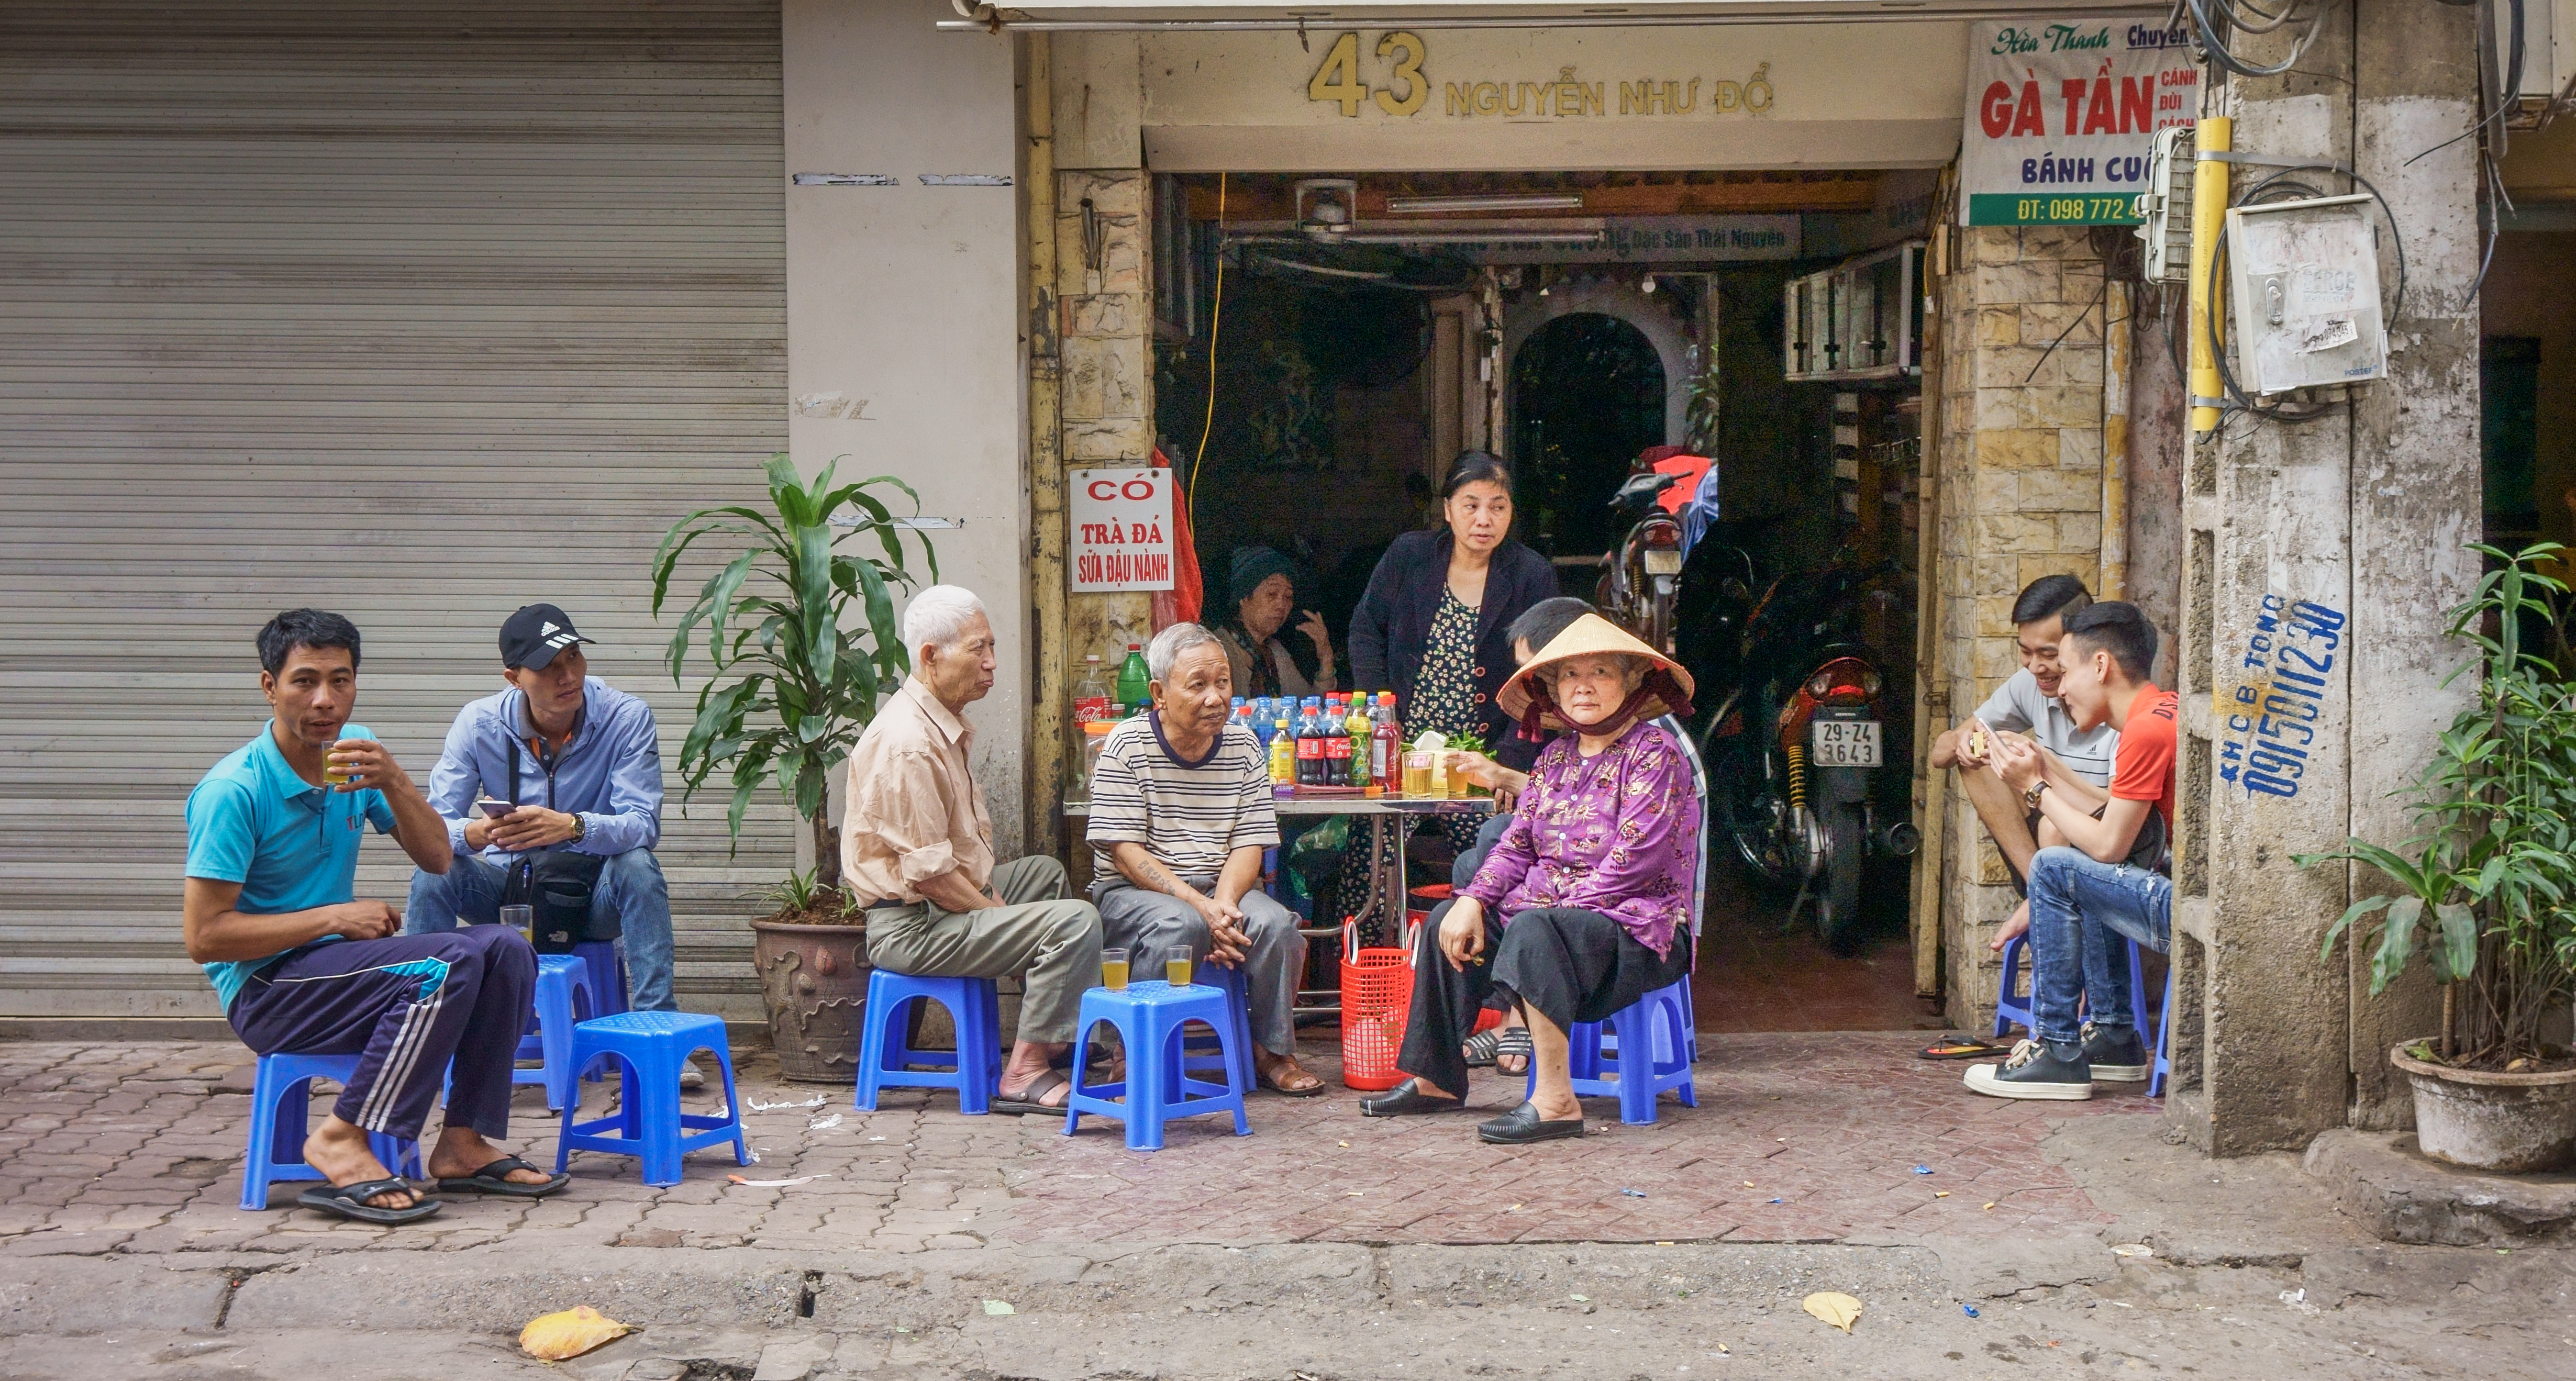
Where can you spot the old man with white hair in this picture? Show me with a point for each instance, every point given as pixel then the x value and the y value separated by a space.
pixel 1180 812
pixel 917 848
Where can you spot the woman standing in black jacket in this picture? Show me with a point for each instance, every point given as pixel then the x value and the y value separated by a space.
pixel 1433 624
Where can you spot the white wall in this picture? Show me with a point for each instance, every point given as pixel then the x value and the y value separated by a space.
pixel 907 297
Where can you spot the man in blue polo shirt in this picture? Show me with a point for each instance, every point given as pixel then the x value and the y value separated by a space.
pixel 303 968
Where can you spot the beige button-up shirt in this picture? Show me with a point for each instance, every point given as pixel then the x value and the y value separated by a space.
pixel 913 809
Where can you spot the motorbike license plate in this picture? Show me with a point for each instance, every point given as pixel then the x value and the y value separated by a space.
pixel 1843 743
pixel 1663 561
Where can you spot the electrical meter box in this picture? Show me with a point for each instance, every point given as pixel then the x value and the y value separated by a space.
pixel 2164 209
pixel 2305 275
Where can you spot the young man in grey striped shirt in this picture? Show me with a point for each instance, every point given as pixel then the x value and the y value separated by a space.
pixel 1180 812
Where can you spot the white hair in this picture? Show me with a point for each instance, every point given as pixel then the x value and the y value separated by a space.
pixel 937 616
pixel 1168 646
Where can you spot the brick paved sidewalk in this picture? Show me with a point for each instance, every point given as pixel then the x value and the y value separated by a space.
pixel 137 1148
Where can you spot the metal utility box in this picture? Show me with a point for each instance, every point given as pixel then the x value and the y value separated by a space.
pixel 2305 275
pixel 2164 209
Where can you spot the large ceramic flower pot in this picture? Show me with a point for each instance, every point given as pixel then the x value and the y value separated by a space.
pixel 814 981
pixel 2510 1123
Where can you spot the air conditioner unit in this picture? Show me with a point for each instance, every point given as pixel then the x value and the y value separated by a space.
pixel 2164 208
pixel 2548 86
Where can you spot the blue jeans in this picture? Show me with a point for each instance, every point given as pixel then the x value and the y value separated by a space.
pixel 630 888
pixel 2081 910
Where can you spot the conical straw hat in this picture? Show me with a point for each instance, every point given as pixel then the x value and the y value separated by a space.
pixel 1667 686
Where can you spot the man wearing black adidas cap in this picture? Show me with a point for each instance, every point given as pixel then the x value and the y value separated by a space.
pixel 587 783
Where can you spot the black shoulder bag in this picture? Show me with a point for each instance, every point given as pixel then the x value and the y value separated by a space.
pixel 556 884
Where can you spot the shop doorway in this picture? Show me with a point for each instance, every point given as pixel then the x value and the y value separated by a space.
pixel 1590 394
pixel 1315 387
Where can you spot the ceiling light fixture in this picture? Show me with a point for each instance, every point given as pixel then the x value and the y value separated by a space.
pixel 1533 201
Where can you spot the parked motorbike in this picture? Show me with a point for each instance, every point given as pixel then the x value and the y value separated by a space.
pixel 1796 734
pixel 1641 580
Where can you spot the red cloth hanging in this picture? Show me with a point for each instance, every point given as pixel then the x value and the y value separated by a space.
pixel 1182 602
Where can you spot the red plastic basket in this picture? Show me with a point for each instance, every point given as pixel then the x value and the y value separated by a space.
pixel 1377 997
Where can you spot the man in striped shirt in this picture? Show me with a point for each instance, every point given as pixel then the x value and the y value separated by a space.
pixel 1180 812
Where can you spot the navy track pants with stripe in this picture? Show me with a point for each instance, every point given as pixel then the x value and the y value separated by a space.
pixel 404 1006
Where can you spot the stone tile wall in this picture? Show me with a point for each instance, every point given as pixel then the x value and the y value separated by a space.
pixel 2021 497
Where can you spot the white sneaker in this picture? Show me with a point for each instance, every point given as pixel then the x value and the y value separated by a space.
pixel 691 1077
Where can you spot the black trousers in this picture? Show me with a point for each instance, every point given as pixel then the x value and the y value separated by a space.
pixel 1564 963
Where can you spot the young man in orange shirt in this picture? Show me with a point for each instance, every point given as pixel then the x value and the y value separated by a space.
pixel 2085 896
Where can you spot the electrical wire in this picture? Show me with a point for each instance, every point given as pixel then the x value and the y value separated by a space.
pixel 2213 20
pixel 1216 321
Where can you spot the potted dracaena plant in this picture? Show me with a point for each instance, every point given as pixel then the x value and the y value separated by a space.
pixel 795 674
pixel 2487 892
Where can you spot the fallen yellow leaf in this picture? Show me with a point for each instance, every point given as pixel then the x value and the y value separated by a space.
pixel 1834 1307
pixel 569 1333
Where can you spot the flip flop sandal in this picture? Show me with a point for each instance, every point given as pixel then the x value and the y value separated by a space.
pixel 1315 1091
pixel 1963 1048
pixel 1026 1103
pixel 350 1201
pixel 1481 1047
pixel 1512 1040
pixel 494 1179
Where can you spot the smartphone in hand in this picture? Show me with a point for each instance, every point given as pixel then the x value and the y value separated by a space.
pixel 494 810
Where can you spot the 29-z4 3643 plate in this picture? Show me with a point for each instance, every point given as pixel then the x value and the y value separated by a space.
pixel 1842 743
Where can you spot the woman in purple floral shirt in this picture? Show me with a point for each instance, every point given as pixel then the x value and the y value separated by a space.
pixel 1583 906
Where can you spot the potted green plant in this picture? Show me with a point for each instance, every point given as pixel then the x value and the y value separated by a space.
pixel 795 674
pixel 2488 895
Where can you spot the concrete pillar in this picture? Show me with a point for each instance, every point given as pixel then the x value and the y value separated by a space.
pixel 2020 455
pixel 903 317
pixel 2362 512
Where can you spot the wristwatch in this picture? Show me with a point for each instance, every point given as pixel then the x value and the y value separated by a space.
pixel 580 826
pixel 2029 799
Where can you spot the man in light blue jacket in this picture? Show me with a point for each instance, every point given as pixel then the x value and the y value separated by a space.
pixel 589 781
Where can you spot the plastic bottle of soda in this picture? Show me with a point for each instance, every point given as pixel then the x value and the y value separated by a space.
pixel 1134 681
pixel 1283 753
pixel 1386 755
pixel 1310 744
pixel 1337 743
pixel 1360 735
pixel 1091 691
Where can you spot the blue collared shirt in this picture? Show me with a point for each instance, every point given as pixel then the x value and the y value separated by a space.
pixel 610 774
pixel 291 845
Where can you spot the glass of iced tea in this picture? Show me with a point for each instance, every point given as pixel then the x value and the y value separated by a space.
pixel 522 919
pixel 334 772
pixel 1417 773
pixel 1176 967
pixel 1113 970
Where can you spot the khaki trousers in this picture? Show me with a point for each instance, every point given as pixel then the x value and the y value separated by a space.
pixel 1047 940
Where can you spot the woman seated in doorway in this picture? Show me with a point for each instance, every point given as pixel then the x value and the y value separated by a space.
pixel 1583 906
pixel 1265 594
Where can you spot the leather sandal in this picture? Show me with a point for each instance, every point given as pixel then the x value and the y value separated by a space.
pixel 1407 1099
pixel 1523 1125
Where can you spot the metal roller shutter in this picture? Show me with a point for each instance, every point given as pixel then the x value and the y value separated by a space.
pixel 414 312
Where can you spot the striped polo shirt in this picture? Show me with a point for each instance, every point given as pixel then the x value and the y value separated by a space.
pixel 1188 815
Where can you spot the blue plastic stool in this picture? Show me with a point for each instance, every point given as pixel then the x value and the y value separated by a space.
pixel 1207 1053
pixel 607 976
pixel 1149 1016
pixel 975 1070
pixel 564 996
pixel 2164 1038
pixel 280 1120
pixel 1656 1029
pixel 650 1048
